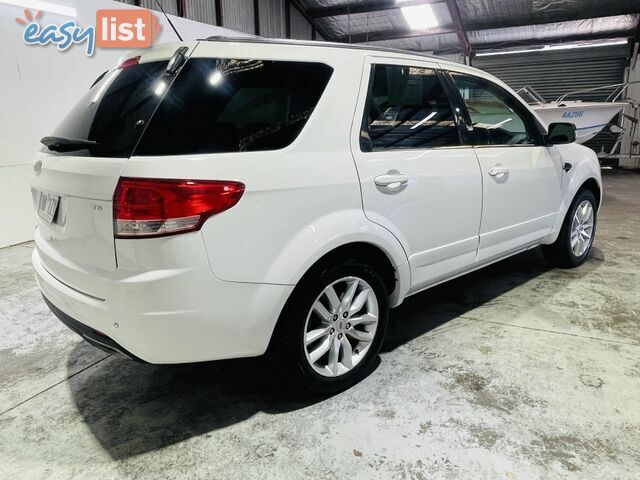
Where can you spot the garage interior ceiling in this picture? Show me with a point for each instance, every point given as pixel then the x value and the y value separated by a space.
pixel 475 25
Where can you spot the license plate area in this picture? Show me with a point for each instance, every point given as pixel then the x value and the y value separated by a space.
pixel 48 206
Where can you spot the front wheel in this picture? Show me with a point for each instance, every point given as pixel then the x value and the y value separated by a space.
pixel 574 242
pixel 332 328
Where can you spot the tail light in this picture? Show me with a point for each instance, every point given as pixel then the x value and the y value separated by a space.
pixel 145 207
pixel 129 62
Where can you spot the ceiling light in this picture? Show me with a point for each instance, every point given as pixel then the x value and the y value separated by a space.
pixel 48 7
pixel 420 17
pixel 548 48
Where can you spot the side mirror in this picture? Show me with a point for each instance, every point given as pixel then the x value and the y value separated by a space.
pixel 561 133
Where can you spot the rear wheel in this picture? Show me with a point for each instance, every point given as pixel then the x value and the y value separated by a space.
pixel 332 328
pixel 574 242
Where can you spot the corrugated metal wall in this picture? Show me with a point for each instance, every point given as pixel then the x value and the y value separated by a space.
pixel 202 11
pixel 555 73
pixel 238 15
pixel 300 28
pixel 272 19
pixel 170 6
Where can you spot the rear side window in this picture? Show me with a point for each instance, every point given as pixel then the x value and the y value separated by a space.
pixel 407 107
pixel 114 110
pixel 498 118
pixel 227 105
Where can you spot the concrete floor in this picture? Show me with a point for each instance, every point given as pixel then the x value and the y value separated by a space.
pixel 518 371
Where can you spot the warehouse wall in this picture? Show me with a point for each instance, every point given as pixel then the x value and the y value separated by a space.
pixel 240 15
pixel 300 28
pixel 39 85
pixel 272 18
pixel 559 72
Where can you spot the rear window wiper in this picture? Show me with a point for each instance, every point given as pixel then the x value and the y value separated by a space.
pixel 63 144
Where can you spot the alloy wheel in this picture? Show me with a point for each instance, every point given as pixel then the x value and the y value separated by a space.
pixel 582 228
pixel 341 326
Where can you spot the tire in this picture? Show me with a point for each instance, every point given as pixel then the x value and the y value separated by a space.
pixel 563 253
pixel 301 315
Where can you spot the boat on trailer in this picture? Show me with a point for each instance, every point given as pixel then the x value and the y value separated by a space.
pixel 590 118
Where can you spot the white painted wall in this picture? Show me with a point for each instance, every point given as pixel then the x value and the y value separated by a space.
pixel 38 85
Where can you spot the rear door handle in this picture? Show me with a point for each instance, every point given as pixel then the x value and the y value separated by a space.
pixel 391 180
pixel 498 171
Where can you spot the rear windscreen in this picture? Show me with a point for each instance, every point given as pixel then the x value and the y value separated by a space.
pixel 227 105
pixel 115 110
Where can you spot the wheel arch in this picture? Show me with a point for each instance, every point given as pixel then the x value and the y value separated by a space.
pixel 394 278
pixel 593 185
pixel 369 253
pixel 586 181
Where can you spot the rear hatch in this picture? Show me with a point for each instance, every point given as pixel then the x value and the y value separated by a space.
pixel 76 174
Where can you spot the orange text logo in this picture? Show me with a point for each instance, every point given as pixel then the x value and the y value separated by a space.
pixel 130 28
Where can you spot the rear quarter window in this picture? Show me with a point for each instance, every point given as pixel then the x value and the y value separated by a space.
pixel 229 105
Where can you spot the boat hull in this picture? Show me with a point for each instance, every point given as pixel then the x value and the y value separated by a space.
pixel 588 117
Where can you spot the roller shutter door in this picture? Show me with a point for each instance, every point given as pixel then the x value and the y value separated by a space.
pixel 556 73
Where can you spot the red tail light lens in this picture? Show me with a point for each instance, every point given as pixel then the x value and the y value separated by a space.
pixel 129 62
pixel 145 207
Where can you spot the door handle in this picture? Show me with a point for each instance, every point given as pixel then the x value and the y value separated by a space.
pixel 498 171
pixel 391 180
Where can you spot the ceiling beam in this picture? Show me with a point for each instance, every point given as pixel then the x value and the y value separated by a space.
pixel 477 47
pixel 558 17
pixel 382 35
pixel 454 11
pixel 363 37
pixel 365 7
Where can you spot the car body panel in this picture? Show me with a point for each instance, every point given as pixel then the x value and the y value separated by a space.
pixel 437 214
pixel 164 305
pixel 218 292
pixel 518 208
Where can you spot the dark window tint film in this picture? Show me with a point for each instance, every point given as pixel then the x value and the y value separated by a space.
pixel 114 111
pixel 226 105
pixel 407 107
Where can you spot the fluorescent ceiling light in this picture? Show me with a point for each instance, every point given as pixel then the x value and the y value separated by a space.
pixel 548 48
pixel 48 7
pixel 419 17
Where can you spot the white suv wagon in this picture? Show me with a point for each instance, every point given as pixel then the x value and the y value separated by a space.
pixel 230 198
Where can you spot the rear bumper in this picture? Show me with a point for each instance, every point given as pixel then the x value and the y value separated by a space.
pixel 175 314
pixel 94 337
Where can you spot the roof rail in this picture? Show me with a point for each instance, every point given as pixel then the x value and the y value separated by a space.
pixel 316 43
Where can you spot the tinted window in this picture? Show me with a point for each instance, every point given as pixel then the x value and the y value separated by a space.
pixel 218 105
pixel 497 117
pixel 109 111
pixel 407 108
